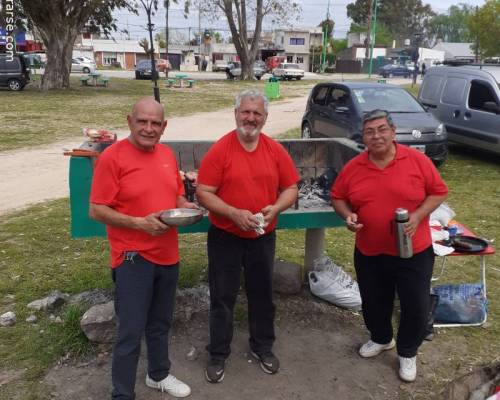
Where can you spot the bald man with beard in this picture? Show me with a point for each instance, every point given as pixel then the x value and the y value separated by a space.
pixel 134 180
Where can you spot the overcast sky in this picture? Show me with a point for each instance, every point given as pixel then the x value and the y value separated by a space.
pixel 313 12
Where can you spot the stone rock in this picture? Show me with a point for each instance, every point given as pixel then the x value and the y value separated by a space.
pixel 287 277
pixel 8 319
pixel 191 301
pixel 32 319
pixel 49 303
pixel 99 323
pixel 92 297
pixel 192 354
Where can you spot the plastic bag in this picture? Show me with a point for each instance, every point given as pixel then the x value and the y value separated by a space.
pixel 462 304
pixel 330 282
pixel 443 214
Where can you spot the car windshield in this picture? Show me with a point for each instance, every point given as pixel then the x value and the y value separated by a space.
pixel 495 71
pixel 390 99
pixel 291 66
pixel 144 63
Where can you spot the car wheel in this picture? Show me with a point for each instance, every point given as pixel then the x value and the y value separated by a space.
pixel 229 76
pixel 15 85
pixel 85 70
pixel 259 77
pixel 299 78
pixel 137 75
pixel 306 131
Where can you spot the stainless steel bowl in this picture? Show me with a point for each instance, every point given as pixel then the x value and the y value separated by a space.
pixel 181 216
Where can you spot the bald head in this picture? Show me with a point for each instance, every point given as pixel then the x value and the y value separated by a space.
pixel 148 103
pixel 147 123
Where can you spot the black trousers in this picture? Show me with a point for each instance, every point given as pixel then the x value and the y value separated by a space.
pixel 379 277
pixel 227 254
pixel 144 304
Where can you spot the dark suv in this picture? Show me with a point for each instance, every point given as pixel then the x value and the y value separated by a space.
pixel 143 70
pixel 336 110
pixel 14 73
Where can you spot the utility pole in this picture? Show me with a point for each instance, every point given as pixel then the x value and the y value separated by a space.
pixel 368 31
pixel 167 6
pixel 477 40
pixel 373 34
pixel 199 37
pixel 325 38
pixel 154 77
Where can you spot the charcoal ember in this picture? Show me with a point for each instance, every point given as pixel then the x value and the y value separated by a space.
pixel 315 192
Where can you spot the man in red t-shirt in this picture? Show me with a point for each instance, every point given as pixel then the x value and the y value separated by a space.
pixel 366 193
pixel 245 180
pixel 134 180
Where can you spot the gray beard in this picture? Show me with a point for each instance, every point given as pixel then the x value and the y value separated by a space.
pixel 247 134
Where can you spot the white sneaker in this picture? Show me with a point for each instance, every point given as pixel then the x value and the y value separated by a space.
pixel 372 349
pixel 171 385
pixel 408 368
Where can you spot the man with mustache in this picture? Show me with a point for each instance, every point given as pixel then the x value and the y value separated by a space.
pixel 245 180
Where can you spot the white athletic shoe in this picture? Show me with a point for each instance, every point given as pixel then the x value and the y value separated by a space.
pixel 171 385
pixel 372 349
pixel 408 368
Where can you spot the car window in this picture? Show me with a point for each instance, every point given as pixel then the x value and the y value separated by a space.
pixel 480 92
pixel 338 98
pixel 431 87
pixel 319 95
pixel 454 90
pixel 390 99
pixel 12 64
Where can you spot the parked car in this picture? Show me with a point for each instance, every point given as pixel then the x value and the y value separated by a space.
pixel 273 61
pixel 467 99
pixel 143 70
pixel 390 70
pixel 80 66
pixel 234 70
pixel 86 60
pixel 14 73
pixel 220 65
pixel 288 71
pixel 162 65
pixel 337 109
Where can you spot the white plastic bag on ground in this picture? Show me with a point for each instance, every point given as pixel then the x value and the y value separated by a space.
pixel 330 282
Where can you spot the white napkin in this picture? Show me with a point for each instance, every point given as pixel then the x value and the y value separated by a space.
pixel 441 250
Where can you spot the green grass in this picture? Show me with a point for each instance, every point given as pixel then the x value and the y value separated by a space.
pixel 31 117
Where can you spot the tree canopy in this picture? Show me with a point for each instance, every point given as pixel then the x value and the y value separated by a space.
pixel 453 26
pixel 244 18
pixel 402 18
pixel 484 26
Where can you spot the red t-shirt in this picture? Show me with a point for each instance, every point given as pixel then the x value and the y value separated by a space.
pixel 138 183
pixel 246 180
pixel 374 194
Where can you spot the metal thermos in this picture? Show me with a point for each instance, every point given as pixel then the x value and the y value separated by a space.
pixel 403 241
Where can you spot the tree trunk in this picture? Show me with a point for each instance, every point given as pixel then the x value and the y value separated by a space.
pixel 59 45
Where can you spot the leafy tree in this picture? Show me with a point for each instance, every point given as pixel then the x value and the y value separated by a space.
pixel 59 22
pixel 240 14
pixel 484 26
pixel 402 18
pixel 452 26
pixel 329 27
pixel 144 43
pixel 338 45
pixel 383 36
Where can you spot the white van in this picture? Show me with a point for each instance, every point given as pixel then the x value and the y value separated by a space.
pixel 467 100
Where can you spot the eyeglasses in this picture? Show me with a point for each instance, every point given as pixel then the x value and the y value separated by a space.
pixel 381 130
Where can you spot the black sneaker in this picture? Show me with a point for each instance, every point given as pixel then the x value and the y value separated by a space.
pixel 215 370
pixel 268 362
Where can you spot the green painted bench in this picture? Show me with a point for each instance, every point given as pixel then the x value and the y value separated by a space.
pixel 190 82
pixel 171 82
pixel 84 80
pixel 103 81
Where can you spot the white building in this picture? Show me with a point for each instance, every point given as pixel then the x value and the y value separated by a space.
pixel 296 43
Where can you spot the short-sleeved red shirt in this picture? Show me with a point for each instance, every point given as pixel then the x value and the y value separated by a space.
pixel 246 180
pixel 374 194
pixel 138 183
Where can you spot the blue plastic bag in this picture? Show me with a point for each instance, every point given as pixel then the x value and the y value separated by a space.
pixel 461 304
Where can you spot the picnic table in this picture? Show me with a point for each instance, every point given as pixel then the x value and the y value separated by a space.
pixel 94 76
pixel 181 78
pixel 96 79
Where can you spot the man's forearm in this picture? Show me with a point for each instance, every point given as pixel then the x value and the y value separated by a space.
pixel 109 216
pixel 215 204
pixel 286 198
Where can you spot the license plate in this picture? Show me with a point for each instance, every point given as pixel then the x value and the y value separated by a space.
pixel 420 147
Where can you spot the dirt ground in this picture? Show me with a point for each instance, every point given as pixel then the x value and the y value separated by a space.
pixel 40 174
pixel 317 346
